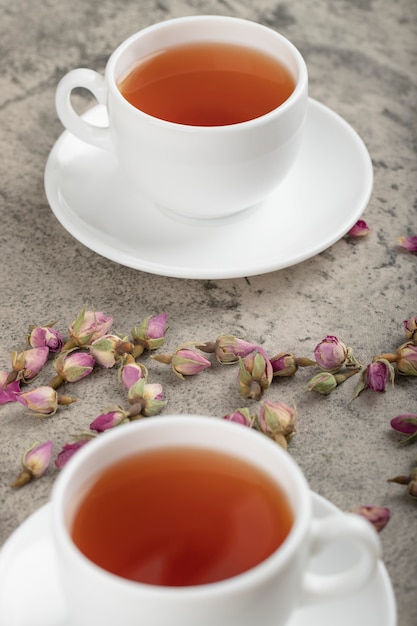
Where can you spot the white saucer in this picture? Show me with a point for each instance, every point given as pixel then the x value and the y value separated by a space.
pixel 319 201
pixel 30 594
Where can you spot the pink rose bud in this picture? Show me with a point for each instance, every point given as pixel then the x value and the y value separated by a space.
pixel 184 362
pixel 108 420
pixel 286 364
pixel 409 243
pixel 110 349
pixel 43 400
pixel 35 462
pixel 146 399
pixel 68 451
pixel 71 367
pixel 323 383
pixel 278 421
pixel 360 229
pixel 378 516
pixel 27 365
pixel 131 372
pixel 228 348
pixel 331 354
pixel 406 424
pixel 45 336
pixel 407 359
pixel 410 328
pixel 255 374
pixel 87 327
pixel 375 377
pixel 8 390
pixel 150 334
pixel 379 374
pixel 240 416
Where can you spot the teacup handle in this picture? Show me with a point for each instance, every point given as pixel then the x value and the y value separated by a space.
pixel 352 527
pixel 95 83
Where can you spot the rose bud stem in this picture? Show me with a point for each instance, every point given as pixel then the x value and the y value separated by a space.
pixel 64 400
pixel 391 358
pixel 56 381
pixel 304 362
pixel 340 378
pixel 23 479
pixel 135 409
pixel 255 390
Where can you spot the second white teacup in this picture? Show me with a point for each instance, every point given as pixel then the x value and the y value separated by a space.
pixel 147 512
pixel 192 167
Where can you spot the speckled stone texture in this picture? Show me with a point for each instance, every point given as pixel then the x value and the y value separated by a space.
pixel 361 56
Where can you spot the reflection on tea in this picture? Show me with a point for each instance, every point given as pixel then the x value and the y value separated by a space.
pixel 208 84
pixel 181 516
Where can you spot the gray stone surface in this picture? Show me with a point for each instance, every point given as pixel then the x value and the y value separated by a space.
pixel 361 56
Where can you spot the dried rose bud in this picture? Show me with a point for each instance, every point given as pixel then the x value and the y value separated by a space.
pixel 410 328
pixel 45 336
pixel 131 372
pixel 255 374
pixel 43 400
pixel 325 382
pixel 228 348
pixel 240 416
pixel 71 367
pixel 150 334
pixel 278 421
pixel 409 243
pixel 407 359
pixel 108 420
pixel 68 451
pixel 331 354
pixel 87 327
pixel 284 364
pixel 35 462
pixel 375 377
pixel 110 349
pixel 26 365
pixel 8 390
pixel 184 361
pixel 406 424
pixel 146 399
pixel 360 229
pixel 378 516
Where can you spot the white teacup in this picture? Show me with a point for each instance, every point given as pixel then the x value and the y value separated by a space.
pixel 195 171
pixel 265 594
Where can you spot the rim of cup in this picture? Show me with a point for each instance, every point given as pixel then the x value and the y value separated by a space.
pixel 300 83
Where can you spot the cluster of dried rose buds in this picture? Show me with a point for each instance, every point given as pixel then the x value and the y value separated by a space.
pixel 277 420
pixel 89 344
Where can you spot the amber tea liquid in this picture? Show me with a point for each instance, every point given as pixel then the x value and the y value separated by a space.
pixel 208 84
pixel 180 516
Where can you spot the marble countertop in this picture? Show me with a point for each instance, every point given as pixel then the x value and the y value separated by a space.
pixel 361 56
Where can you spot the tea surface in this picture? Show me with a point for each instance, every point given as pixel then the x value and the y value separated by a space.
pixel 208 84
pixel 180 516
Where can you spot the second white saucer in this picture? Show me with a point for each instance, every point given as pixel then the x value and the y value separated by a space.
pixel 319 201
pixel 30 593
